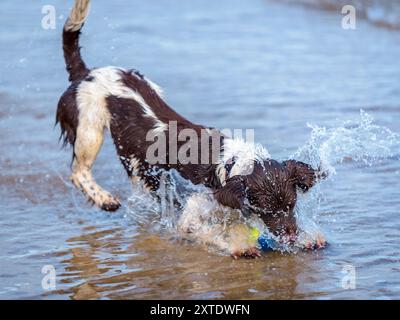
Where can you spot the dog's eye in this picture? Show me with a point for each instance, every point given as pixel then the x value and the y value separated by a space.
pixel 303 187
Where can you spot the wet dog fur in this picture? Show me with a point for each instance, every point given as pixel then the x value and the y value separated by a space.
pixel 130 106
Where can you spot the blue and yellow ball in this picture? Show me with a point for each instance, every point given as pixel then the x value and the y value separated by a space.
pixel 266 243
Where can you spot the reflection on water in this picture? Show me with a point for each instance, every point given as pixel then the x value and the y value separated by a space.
pixel 103 264
pixel 262 64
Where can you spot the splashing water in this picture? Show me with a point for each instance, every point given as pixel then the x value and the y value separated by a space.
pixel 357 140
pixel 360 140
pixel 352 140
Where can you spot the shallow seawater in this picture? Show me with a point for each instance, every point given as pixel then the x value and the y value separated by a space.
pixel 291 73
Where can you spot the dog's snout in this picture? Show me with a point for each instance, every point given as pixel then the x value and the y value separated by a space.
pixel 291 230
pixel 290 234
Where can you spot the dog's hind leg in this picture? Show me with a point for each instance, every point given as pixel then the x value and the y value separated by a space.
pixel 87 145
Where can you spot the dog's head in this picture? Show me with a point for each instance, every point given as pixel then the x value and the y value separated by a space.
pixel 270 191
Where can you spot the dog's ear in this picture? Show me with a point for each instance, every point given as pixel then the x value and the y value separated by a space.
pixel 302 174
pixel 232 194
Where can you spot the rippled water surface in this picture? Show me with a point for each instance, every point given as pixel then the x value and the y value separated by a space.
pixel 230 64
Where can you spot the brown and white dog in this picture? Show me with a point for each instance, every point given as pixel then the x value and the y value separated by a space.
pixel 131 106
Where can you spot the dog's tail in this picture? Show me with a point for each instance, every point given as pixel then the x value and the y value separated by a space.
pixel 76 67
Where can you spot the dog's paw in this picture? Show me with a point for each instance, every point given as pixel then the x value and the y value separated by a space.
pixel 318 243
pixel 250 253
pixel 111 204
pixel 321 241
